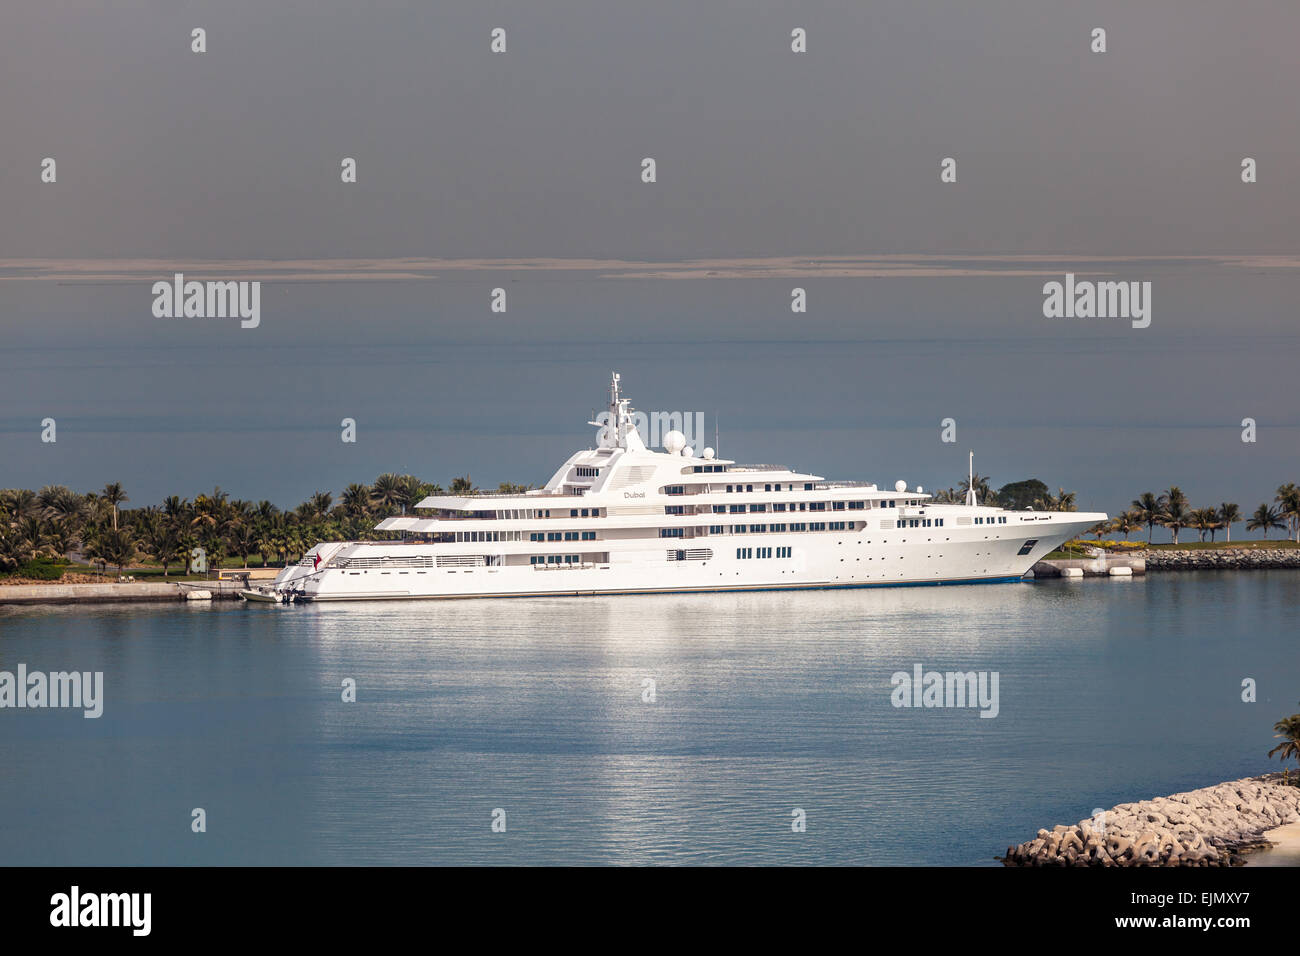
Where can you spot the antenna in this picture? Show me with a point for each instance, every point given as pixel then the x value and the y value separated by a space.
pixel 716 447
pixel 970 480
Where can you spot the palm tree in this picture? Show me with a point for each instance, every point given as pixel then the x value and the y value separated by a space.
pixel 1204 520
pixel 1288 730
pixel 356 499
pixel 413 488
pixel 388 492
pixel 240 519
pixel 98 512
pixel 18 503
pixel 1214 520
pixel 214 547
pixel 1288 496
pixel 1150 509
pixel 161 540
pixel 176 508
pixel 114 495
pixel 1128 522
pixel 211 519
pixel 1229 513
pixel 96 549
pixel 1265 517
pixel 117 547
pixel 462 486
pixel 62 536
pixel 1065 500
pixel 62 504
pixel 320 503
pixel 11 555
pixel 1177 515
pixel 33 535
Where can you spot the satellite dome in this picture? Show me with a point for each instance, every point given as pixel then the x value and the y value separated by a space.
pixel 674 442
pixel 919 491
pixel 688 452
pixel 709 453
pixel 900 485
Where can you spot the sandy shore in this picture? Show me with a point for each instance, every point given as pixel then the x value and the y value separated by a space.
pixel 1286 852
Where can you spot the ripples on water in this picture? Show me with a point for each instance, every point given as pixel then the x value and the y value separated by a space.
pixel 1110 691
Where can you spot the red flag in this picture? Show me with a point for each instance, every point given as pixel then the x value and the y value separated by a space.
pixel 315 563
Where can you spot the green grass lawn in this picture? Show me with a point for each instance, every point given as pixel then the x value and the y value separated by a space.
pixel 1068 554
pixel 175 572
pixel 1074 549
pixel 1222 545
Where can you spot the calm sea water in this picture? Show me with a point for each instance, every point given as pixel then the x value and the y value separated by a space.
pixel 1109 691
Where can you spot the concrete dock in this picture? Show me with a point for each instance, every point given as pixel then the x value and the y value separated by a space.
pixel 114 593
pixel 1095 567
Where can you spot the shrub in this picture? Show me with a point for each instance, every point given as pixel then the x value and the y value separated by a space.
pixel 40 569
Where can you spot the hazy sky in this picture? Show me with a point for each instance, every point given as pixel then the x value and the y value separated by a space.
pixel 235 152
pixel 233 155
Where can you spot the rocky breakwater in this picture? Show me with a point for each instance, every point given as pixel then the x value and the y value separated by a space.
pixel 1212 826
pixel 1225 559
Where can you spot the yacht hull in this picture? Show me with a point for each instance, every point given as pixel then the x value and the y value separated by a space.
pixel 904 558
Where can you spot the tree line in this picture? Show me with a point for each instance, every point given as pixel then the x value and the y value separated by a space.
pixel 1171 509
pixel 58 524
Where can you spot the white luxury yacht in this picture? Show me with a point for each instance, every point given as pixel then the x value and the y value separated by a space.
pixel 623 519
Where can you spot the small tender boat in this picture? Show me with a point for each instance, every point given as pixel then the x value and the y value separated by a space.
pixel 261 596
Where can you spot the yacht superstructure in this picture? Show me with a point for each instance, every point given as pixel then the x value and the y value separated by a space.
pixel 621 518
